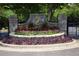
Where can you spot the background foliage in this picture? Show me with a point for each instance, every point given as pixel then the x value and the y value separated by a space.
pixel 22 11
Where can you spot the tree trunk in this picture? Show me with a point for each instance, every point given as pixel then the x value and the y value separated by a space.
pixel 50 12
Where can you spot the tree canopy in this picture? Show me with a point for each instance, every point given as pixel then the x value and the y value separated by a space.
pixel 22 11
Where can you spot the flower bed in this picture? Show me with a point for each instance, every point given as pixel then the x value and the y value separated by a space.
pixel 37 40
pixel 28 33
pixel 30 36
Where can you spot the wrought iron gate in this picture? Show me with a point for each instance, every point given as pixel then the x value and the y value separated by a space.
pixel 73 28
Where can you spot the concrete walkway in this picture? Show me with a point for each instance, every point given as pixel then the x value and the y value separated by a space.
pixel 68 52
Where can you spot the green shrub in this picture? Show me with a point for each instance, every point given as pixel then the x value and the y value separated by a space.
pixel 36 33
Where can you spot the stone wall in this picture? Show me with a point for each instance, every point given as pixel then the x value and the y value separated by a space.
pixel 37 20
pixel 52 24
pixel 62 22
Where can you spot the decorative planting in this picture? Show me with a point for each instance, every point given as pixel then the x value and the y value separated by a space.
pixel 35 31
pixel 28 33
pixel 36 40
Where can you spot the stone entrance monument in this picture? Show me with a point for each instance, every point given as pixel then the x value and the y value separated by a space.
pixel 62 22
pixel 13 23
pixel 37 20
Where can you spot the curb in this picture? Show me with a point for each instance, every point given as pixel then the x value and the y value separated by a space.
pixel 31 36
pixel 38 48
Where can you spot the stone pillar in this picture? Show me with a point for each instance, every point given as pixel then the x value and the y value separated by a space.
pixel 62 23
pixel 13 23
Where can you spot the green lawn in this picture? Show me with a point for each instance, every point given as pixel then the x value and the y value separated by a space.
pixel 36 33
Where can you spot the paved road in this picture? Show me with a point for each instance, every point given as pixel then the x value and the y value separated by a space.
pixel 69 52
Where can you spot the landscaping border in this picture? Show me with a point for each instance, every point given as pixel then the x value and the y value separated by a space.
pixel 37 40
pixel 39 48
pixel 25 46
pixel 57 34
